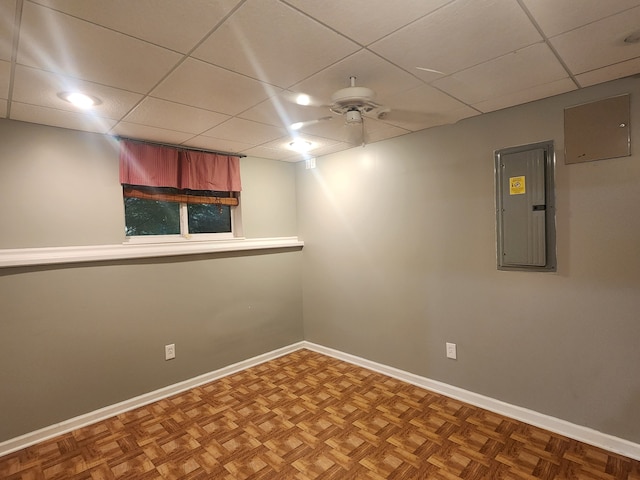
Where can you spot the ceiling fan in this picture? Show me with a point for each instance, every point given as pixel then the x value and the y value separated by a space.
pixel 354 103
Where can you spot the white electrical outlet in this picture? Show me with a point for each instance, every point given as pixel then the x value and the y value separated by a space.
pixel 170 351
pixel 452 351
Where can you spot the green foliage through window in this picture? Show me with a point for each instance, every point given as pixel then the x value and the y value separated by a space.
pixel 205 218
pixel 152 216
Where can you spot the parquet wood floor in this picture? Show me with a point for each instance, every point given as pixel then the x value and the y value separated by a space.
pixel 306 416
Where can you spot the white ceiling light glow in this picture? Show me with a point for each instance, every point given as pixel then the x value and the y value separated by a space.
pixel 79 100
pixel 300 145
pixel 303 99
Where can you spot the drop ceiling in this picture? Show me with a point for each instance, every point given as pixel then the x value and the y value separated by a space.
pixel 214 74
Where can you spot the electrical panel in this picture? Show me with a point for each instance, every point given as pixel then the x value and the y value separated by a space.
pixel 525 210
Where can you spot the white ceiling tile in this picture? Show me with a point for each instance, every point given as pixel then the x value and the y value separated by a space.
pixel 425 107
pixel 332 127
pixel 603 40
pixel 337 129
pixel 36 87
pixel 175 25
pixel 7 16
pixel 558 16
pixel 279 112
pixel 131 56
pixel 377 130
pixel 5 76
pixel 217 144
pixel 274 43
pixel 619 70
pixel 370 71
pixel 414 121
pixel 326 150
pixel 60 118
pixel 152 134
pixel 317 142
pixel 374 22
pixel 269 153
pixel 246 131
pixel 174 116
pixel 517 71
pixel 60 43
pixel 459 35
pixel 206 86
pixel 528 95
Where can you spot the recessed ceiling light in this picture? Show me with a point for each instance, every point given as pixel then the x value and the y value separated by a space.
pixel 79 100
pixel 296 126
pixel 300 145
pixel 303 99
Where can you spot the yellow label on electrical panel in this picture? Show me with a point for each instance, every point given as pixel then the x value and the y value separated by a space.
pixel 517 186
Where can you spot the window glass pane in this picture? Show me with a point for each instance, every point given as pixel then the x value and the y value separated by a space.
pixel 204 218
pixel 151 217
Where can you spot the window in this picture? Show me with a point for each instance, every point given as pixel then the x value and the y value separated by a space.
pixel 151 217
pixel 169 211
pixel 160 200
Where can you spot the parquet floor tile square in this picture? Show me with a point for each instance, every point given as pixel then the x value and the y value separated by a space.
pixel 306 416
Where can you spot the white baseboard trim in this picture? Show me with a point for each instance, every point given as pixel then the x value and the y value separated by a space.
pixel 31 438
pixel 547 422
pixel 562 427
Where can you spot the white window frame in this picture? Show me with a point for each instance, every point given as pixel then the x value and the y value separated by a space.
pixel 184 235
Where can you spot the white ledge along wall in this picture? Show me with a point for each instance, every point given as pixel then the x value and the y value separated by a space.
pixel 79 337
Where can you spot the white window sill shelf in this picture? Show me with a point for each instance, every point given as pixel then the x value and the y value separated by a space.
pixel 20 257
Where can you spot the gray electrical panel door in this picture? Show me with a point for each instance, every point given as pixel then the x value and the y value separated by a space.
pixel 524 208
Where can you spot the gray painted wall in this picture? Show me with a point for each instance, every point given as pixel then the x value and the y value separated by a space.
pixel 76 338
pixel 399 258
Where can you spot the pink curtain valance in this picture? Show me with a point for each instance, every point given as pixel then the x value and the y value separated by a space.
pixel 148 165
pixel 161 166
pixel 210 171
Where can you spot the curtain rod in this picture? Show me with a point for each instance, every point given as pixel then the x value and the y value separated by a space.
pixel 181 147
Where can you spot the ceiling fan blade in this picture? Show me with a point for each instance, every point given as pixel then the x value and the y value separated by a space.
pixel 410 116
pixel 303 125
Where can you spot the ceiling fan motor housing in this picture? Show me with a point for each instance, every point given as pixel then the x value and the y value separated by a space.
pixel 360 99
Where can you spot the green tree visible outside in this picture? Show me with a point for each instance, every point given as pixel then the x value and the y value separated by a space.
pixel 154 217
pixel 151 217
pixel 205 218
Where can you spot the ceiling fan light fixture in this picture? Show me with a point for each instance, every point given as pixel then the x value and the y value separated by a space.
pixel 353 116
